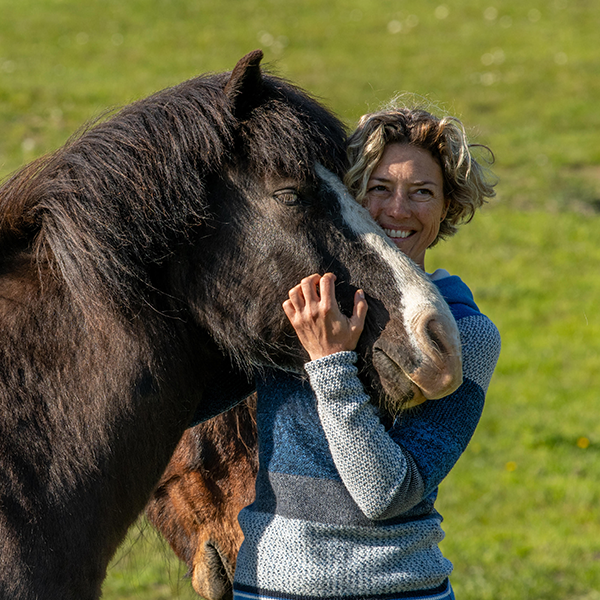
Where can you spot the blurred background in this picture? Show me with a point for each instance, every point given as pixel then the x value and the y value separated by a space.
pixel 522 506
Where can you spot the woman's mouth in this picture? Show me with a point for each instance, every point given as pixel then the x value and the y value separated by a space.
pixel 398 233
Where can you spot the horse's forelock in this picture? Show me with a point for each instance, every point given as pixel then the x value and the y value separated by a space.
pixel 289 132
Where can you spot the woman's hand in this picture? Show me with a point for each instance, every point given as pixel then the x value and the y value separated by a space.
pixel 320 325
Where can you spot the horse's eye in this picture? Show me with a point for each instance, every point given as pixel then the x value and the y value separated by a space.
pixel 289 197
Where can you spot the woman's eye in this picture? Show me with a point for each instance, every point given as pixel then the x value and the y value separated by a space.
pixel 424 192
pixel 288 197
pixel 377 188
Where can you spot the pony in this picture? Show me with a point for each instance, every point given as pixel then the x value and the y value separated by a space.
pixel 195 505
pixel 142 269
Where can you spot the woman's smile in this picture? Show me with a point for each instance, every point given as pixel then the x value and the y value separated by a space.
pixel 398 233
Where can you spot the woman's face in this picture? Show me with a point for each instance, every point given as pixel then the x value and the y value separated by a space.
pixel 405 195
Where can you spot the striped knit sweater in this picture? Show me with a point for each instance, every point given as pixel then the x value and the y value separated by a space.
pixel 344 508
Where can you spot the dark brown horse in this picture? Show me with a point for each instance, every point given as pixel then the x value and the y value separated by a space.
pixel 142 270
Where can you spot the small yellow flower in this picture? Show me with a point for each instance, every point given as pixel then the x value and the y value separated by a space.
pixel 583 442
pixel 511 466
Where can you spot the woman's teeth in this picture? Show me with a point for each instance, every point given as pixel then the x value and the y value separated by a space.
pixel 397 233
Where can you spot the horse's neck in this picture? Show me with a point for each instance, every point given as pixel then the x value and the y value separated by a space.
pixel 94 409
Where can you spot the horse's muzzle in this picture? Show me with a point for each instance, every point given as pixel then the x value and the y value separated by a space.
pixel 432 362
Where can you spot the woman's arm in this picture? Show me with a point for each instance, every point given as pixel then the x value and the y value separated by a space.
pixel 382 479
pixel 374 469
pixel 389 473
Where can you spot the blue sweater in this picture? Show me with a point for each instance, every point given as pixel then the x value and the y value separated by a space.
pixel 344 508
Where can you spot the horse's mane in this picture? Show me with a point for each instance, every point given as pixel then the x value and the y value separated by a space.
pixel 126 191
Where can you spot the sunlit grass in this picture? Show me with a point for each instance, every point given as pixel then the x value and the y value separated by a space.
pixel 523 76
pixel 145 567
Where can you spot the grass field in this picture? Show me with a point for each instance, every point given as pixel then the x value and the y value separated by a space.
pixel 522 506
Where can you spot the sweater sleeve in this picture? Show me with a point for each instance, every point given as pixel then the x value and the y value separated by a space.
pixel 381 478
pixel 387 473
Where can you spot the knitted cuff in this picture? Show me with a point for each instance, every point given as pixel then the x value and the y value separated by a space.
pixel 345 357
pixel 334 378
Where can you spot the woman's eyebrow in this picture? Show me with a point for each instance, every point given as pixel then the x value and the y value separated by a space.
pixel 416 182
pixel 425 182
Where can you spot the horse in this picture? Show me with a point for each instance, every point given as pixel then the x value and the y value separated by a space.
pixel 195 505
pixel 142 270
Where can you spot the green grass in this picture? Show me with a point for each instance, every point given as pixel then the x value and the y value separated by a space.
pixel 521 507
pixel 145 567
pixel 523 75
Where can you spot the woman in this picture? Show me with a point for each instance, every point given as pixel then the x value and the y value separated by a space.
pixel 345 507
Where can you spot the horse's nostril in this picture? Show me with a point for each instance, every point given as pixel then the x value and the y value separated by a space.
pixel 435 332
pixel 440 370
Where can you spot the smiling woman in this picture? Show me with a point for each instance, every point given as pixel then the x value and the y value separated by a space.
pixel 417 175
pixel 345 490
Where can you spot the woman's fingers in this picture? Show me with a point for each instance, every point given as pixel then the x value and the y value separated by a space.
pixel 357 320
pixel 289 309
pixel 310 287
pixel 296 297
pixel 303 297
pixel 360 309
pixel 320 325
pixel 316 294
pixel 327 292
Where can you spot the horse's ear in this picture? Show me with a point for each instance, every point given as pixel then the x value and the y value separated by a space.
pixel 245 84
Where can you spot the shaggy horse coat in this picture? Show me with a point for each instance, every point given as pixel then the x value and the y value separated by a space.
pixel 142 270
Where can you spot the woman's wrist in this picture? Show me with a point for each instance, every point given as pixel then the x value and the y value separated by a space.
pixel 343 356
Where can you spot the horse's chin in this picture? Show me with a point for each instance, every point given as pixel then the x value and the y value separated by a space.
pixel 210 579
pixel 398 391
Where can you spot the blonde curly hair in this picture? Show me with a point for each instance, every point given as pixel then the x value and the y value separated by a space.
pixel 467 184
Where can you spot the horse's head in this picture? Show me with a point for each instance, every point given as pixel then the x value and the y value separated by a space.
pixel 277 212
pixel 223 193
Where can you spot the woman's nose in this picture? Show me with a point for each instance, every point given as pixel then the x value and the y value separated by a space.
pixel 399 205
